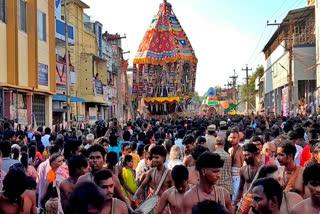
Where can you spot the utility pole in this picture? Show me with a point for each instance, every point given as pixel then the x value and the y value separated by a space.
pixel 119 89
pixel 234 83
pixel 290 49
pixel 129 97
pixel 228 85
pixel 67 61
pixel 238 93
pixel 247 81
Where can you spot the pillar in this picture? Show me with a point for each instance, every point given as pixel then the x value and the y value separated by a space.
pixel 12 42
pixel 48 104
pixel 29 108
pixel 7 102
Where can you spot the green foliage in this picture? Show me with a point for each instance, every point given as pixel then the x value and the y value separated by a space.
pixel 249 90
pixel 198 98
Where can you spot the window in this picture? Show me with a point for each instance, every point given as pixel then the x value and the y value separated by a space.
pixel 22 10
pixel 3 10
pixel 42 26
pixel 39 110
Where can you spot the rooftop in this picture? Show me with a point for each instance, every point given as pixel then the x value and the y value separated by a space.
pixel 295 15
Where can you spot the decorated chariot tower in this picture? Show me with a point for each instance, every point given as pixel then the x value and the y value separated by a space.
pixel 164 68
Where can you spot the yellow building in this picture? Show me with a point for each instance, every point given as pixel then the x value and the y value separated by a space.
pixel 28 60
pixel 89 65
pixel 311 2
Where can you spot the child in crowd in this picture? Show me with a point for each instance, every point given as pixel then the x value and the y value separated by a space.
pixel 128 175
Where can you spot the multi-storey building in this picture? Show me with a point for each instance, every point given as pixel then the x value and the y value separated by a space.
pixel 96 59
pixel 59 100
pixel 27 62
pixel 290 57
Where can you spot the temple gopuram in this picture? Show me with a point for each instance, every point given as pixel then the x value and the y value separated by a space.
pixel 164 68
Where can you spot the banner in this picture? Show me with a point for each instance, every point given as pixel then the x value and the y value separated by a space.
pixel 105 92
pixel 285 102
pixel 61 75
pixel 43 74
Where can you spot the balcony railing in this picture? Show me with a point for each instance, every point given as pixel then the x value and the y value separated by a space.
pixel 304 34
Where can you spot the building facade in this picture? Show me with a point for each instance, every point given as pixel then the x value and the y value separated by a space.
pixel 59 100
pixel 27 71
pixel 293 41
pixel 95 57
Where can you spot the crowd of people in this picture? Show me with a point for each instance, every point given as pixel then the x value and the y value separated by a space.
pixel 230 164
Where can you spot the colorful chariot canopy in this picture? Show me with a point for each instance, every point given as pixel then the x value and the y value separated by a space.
pixel 165 41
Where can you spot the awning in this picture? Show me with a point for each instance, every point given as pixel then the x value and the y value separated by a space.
pixel 64 98
pixel 59 110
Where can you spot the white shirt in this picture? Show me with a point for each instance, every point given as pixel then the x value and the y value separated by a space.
pixel 298 154
pixel 43 170
pixel 173 163
pixel 141 168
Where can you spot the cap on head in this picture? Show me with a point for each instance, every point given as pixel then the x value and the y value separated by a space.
pixel 223 123
pixel 211 127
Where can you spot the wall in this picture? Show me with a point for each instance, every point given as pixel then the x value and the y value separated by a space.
pixel 43 46
pixel 76 19
pixel 89 44
pixel 304 68
pixel 85 86
pixel 280 71
pixel 269 65
pixel 3 52
pixel 23 58
pixel 48 103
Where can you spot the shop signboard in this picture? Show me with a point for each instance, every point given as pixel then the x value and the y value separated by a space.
pixel 92 115
pixel 99 85
pixel 43 74
pixel 79 117
pixel 61 74
pixel 105 92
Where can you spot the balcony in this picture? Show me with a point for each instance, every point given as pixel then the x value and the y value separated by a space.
pixel 61 74
pixel 60 32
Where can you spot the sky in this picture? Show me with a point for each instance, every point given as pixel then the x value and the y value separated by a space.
pixel 225 34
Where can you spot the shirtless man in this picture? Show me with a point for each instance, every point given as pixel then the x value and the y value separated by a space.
pixel 77 166
pixel 174 195
pixel 267 196
pixel 237 159
pixel 104 181
pixel 188 142
pixel 266 160
pixel 248 172
pixel 154 175
pixel 15 198
pixel 289 199
pixel 292 174
pixel 96 160
pixel 194 176
pixel 311 178
pixel 208 165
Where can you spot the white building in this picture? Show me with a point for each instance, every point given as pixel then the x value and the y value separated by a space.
pixel 277 56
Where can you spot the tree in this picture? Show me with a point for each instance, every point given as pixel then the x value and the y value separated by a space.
pixel 197 97
pixel 248 91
